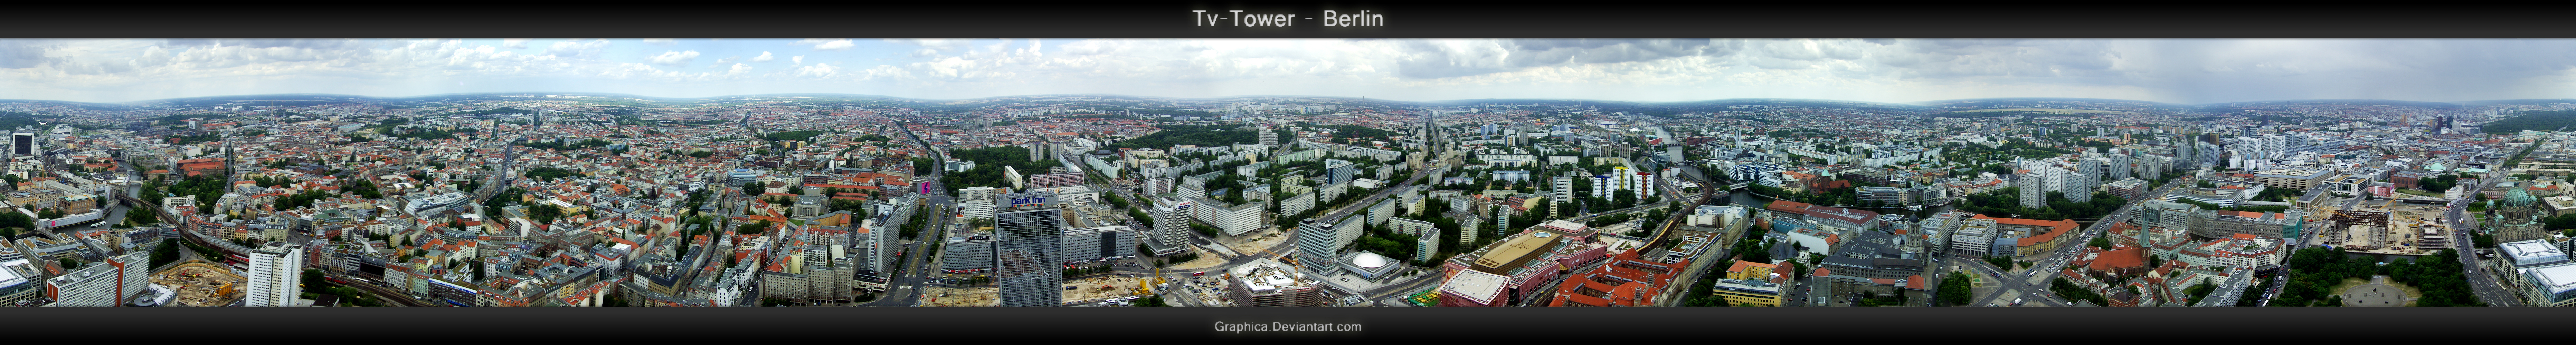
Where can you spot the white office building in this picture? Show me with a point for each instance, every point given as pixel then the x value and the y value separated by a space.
pixel 1319 242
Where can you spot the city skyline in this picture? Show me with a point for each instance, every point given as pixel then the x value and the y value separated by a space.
pixel 2182 71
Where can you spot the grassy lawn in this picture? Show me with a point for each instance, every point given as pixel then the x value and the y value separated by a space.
pixel 2420 192
pixel 2348 283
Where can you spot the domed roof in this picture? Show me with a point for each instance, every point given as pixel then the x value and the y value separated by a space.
pixel 1369 260
pixel 2515 196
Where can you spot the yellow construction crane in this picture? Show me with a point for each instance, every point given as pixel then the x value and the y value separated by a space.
pixel 1146 287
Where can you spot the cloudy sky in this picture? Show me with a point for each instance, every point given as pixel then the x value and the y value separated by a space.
pixel 2179 71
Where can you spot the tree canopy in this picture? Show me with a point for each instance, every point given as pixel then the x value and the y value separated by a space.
pixel 2533 121
pixel 988 166
pixel 1207 135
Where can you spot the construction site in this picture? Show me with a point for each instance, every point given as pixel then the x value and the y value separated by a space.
pixel 1205 260
pixel 936 296
pixel 1078 292
pixel 1210 290
pixel 2410 231
pixel 1255 243
pixel 1102 289
pixel 1270 283
pixel 200 284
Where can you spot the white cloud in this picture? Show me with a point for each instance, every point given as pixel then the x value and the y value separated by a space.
pixel 887 72
pixel 819 70
pixel 935 44
pixel 671 58
pixel 661 41
pixel 828 44
pixel 577 48
pixel 125 70
pixel 2181 71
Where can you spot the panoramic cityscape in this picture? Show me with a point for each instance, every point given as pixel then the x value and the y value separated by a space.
pixel 1043 173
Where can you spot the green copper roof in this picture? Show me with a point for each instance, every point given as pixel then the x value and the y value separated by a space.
pixel 2515 196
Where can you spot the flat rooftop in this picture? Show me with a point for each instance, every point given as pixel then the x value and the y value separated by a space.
pixel 2553 278
pixel 9 273
pixel 2533 252
pixel 1746 285
pixel 1513 249
pixel 1473 285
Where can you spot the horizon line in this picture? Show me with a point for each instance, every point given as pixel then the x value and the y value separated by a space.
pixel 1926 103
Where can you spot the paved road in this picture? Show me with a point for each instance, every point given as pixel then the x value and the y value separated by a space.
pixel 2482 281
pixel 2032 286
pixel 914 271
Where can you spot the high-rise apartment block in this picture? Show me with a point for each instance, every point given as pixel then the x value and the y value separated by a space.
pixel 2082 179
pixel 1231 219
pixel 1338 171
pixel 1563 191
pixel 102 284
pixel 2033 181
pixel 1055 180
pixel 276 272
pixel 2117 167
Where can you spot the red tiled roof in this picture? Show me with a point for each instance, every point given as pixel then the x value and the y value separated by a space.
pixel 2120 259
pixel 1741 266
pixel 1790 206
